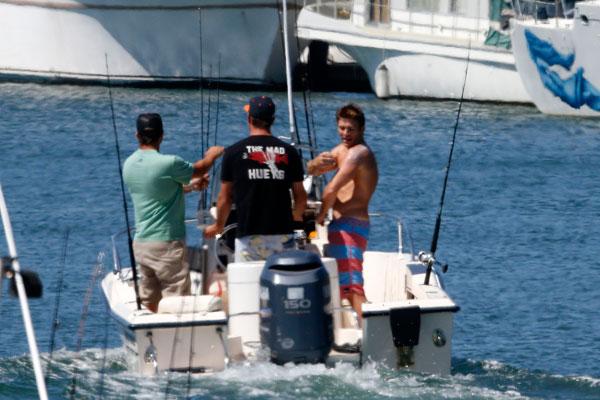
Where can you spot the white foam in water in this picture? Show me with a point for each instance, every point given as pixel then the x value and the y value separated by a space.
pixel 269 381
pixel 493 365
pixel 588 380
pixel 303 380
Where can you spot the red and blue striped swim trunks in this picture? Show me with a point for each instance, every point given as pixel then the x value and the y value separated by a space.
pixel 347 242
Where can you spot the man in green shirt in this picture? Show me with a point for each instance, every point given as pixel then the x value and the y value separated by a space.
pixel 156 183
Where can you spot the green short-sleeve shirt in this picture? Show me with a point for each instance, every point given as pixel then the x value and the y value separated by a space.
pixel 155 184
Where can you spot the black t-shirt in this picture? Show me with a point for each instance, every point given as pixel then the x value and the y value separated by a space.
pixel 262 169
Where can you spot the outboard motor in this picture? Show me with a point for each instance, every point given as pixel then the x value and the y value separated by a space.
pixel 295 308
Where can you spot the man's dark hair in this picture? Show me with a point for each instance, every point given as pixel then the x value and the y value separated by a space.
pixel 259 123
pixel 353 112
pixel 149 128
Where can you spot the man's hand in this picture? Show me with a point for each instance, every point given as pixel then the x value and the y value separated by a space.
pixel 211 231
pixel 324 162
pixel 321 218
pixel 197 184
pixel 214 152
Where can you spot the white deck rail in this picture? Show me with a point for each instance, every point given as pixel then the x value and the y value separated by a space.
pixel 466 19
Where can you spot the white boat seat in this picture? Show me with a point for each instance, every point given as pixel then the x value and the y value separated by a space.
pixel 189 304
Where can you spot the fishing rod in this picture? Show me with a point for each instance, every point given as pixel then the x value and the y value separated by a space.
pixel 204 194
pixel 59 286
pixel 200 78
pixel 96 272
pixel 214 170
pixel 318 182
pixel 129 239
pixel 288 76
pixel 104 350
pixel 204 133
pixel 306 98
pixel 429 259
pixel 23 283
pixel 218 99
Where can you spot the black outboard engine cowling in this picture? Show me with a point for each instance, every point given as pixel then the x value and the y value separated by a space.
pixel 295 308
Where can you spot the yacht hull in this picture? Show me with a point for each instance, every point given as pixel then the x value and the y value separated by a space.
pixel 422 63
pixel 144 42
pixel 558 63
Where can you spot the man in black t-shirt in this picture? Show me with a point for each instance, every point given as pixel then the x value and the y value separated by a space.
pixel 257 175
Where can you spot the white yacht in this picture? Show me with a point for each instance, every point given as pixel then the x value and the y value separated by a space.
pixel 288 309
pixel 143 42
pixel 419 48
pixel 557 58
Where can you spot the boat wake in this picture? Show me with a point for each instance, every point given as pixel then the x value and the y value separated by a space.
pixel 91 374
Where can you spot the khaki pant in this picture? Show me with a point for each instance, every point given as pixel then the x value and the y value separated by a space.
pixel 163 269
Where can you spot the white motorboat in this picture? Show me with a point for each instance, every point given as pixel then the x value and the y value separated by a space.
pixel 288 306
pixel 406 323
pixel 557 59
pixel 144 42
pixel 420 48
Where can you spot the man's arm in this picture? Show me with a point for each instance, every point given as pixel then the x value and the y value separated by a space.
pixel 299 195
pixel 344 175
pixel 202 166
pixel 197 184
pixel 321 164
pixel 224 203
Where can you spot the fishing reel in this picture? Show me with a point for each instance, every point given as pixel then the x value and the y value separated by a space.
pixel 429 260
pixel 31 280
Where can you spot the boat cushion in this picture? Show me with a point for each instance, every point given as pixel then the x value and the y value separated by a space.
pixel 189 304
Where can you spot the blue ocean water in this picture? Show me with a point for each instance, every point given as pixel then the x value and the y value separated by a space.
pixel 520 233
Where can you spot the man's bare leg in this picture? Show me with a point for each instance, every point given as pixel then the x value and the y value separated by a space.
pixel 356 300
pixel 152 307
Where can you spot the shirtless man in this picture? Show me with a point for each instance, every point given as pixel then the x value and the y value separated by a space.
pixel 349 193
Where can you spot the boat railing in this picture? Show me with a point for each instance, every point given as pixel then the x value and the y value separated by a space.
pixel 412 17
pixel 541 11
pixel 403 231
pixel 337 9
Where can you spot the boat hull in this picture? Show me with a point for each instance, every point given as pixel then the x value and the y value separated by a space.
pixel 194 341
pixel 183 348
pixel 409 71
pixel 420 65
pixel 558 63
pixel 144 42
pixel 406 324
